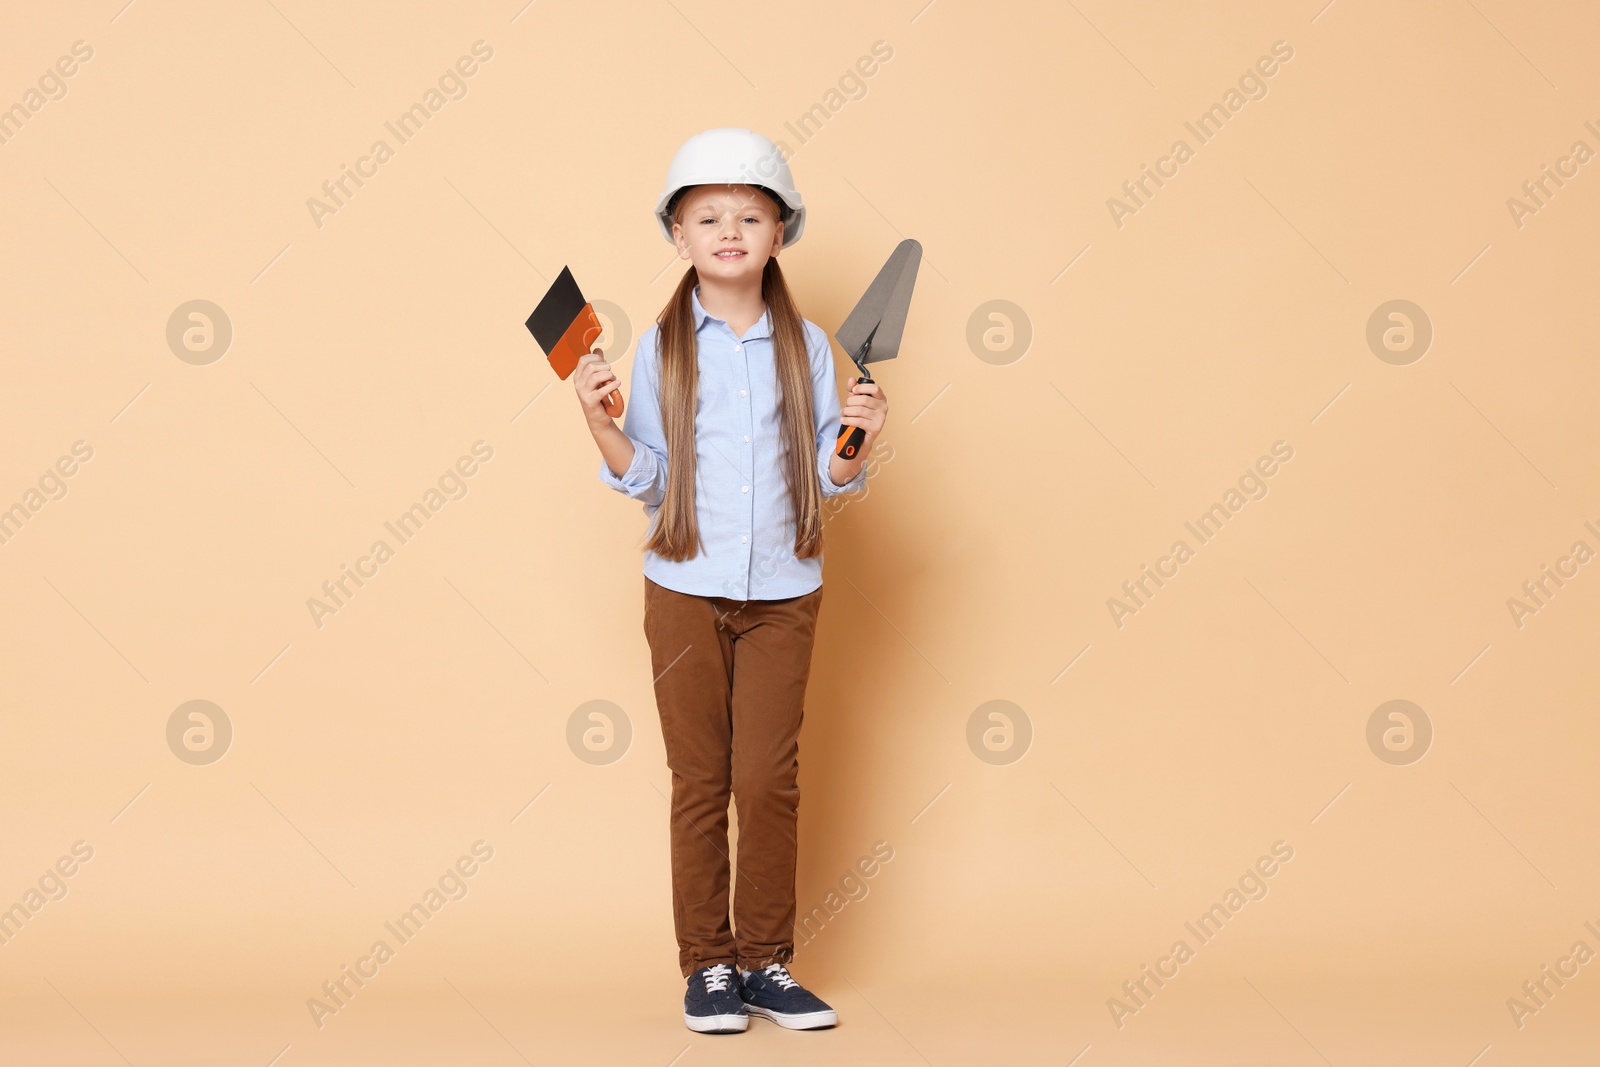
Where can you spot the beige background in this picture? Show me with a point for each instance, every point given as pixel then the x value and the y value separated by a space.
pixel 1167 354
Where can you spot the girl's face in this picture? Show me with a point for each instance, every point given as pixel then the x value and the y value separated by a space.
pixel 728 231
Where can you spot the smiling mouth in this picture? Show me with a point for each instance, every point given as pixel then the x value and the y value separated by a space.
pixel 730 254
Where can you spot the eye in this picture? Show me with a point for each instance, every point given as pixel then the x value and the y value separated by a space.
pixel 750 218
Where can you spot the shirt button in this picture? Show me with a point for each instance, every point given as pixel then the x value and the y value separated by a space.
pixel 747 437
pixel 743 539
pixel 744 489
pixel 738 347
pixel 741 392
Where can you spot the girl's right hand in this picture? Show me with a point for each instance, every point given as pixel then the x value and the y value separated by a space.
pixel 593 379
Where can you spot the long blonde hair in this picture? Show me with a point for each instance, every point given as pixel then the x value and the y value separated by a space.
pixel 676 533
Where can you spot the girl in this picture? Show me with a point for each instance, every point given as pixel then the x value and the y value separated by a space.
pixel 728 440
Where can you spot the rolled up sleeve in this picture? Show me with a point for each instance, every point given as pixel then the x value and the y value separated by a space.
pixel 645 479
pixel 825 402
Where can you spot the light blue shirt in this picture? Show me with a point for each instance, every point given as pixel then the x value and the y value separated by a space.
pixel 745 515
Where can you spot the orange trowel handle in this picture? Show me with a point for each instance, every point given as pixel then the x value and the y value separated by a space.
pixel 577 342
pixel 851 437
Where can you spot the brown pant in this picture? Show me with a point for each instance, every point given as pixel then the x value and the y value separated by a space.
pixel 730 681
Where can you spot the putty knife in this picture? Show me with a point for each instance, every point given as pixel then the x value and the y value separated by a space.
pixel 566 327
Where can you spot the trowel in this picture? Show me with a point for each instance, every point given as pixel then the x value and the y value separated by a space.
pixel 872 331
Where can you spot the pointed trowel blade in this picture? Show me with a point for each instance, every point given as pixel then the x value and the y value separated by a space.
pixel 873 330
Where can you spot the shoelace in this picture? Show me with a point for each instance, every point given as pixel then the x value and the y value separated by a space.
pixel 717 978
pixel 778 973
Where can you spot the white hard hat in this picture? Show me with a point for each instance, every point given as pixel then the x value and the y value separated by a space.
pixel 733 156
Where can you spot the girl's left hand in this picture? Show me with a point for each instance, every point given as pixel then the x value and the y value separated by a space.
pixel 865 406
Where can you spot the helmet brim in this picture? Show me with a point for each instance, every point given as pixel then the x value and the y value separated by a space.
pixel 793 215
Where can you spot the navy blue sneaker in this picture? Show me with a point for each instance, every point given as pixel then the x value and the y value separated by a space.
pixel 772 994
pixel 711 1005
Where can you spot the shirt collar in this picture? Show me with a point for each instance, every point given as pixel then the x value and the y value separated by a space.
pixel 762 327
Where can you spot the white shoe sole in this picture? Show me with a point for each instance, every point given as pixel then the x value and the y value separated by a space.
pixel 811 1020
pixel 716 1024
